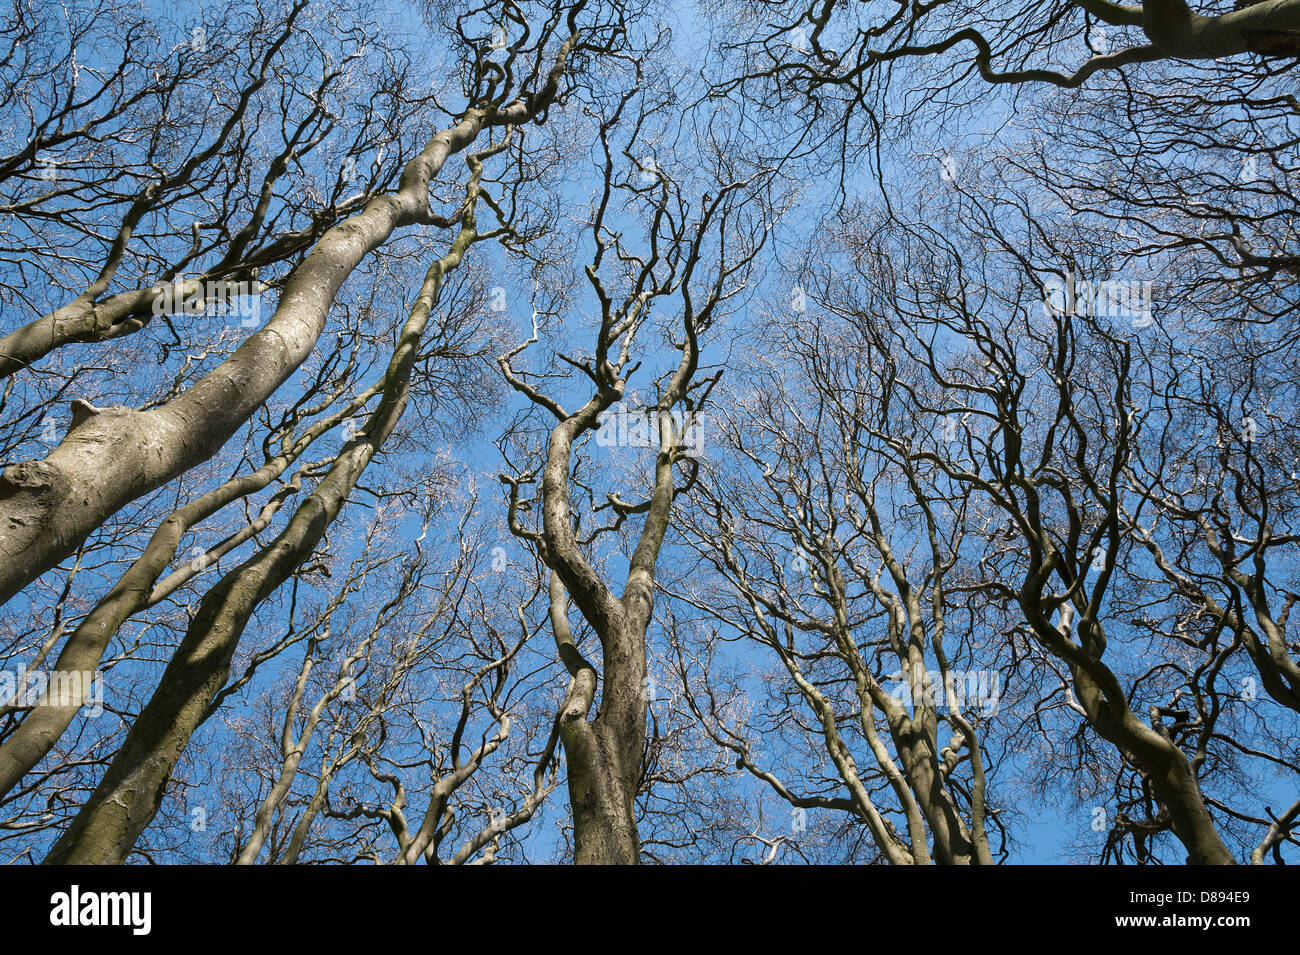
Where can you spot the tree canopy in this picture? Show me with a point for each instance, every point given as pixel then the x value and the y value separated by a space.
pixel 608 431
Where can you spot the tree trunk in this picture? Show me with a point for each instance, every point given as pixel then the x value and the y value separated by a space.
pixel 602 793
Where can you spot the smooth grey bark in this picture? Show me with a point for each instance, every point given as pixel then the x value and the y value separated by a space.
pixel 88 317
pixel 1270 28
pixel 604 754
pixel 129 795
pixel 1266 27
pixel 111 456
pixel 138 589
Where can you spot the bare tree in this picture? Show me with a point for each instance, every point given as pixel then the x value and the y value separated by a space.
pixel 110 456
pixel 845 562
pixel 696 257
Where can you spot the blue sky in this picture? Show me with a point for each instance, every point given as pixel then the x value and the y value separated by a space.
pixel 1049 828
